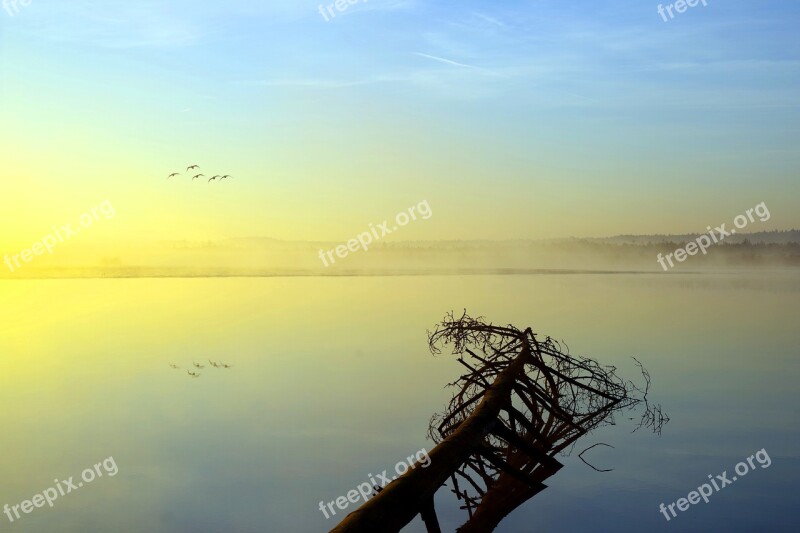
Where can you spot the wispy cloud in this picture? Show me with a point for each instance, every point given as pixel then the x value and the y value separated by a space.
pixel 456 64
pixel 492 21
pixel 322 83
pixel 114 26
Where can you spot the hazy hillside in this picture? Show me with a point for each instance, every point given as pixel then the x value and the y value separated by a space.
pixel 761 237
pixel 265 256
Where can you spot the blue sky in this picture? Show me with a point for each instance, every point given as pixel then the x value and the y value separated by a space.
pixel 598 104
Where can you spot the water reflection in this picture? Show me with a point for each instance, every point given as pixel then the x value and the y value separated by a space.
pixel 338 381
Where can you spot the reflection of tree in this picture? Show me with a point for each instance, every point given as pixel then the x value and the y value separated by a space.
pixel 521 402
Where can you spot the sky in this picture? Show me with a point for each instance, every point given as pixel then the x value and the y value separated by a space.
pixel 513 119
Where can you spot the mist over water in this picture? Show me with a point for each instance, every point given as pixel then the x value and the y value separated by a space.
pixel 269 257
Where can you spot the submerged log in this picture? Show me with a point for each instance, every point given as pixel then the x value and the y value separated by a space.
pixel 521 403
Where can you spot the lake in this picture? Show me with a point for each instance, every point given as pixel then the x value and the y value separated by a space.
pixel 331 381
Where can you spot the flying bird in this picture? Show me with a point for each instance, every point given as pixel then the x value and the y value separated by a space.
pixel 172 365
pixel 173 175
pixel 225 176
pixel 191 168
pixel 212 179
pixel 193 374
pixel 227 366
pixel 198 365
pixel 198 176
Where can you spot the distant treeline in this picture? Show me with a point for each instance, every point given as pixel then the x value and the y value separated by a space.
pixel 761 237
pixel 749 250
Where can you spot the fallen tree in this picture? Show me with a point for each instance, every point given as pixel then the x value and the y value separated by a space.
pixel 521 402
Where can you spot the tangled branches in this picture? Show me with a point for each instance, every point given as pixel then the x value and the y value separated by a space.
pixel 521 402
pixel 555 398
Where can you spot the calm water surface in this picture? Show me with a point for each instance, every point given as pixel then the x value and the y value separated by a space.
pixel 332 381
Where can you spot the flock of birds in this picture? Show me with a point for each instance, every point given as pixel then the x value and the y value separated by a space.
pixel 200 367
pixel 197 167
pixel 212 363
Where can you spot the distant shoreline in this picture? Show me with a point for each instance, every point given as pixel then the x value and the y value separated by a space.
pixel 178 274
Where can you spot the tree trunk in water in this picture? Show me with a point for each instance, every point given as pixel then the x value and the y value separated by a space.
pixel 403 499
